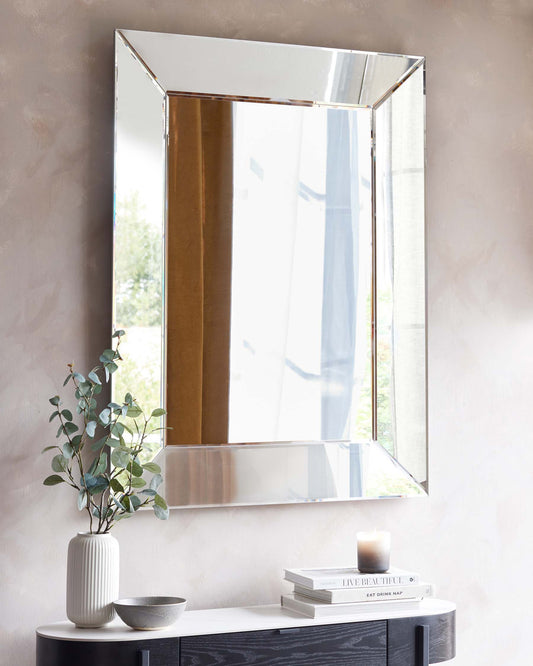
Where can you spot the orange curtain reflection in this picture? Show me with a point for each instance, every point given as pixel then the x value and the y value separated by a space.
pixel 200 199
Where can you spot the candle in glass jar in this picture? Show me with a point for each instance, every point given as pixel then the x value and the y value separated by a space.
pixel 373 552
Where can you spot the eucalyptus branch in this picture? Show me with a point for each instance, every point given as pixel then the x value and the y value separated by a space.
pixel 113 487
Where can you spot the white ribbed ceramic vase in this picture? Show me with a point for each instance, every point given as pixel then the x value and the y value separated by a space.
pixel 92 579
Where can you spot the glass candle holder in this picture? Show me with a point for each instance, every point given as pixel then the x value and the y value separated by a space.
pixel 373 552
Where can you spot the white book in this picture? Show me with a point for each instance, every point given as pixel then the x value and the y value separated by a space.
pixel 357 594
pixel 322 609
pixel 348 577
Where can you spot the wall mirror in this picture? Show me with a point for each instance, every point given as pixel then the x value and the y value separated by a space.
pixel 269 266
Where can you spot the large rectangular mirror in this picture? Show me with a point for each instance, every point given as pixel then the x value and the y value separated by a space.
pixel 269 266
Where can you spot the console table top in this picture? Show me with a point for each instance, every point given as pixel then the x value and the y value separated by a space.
pixel 232 620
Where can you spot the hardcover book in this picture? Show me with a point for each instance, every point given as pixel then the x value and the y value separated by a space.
pixel 322 609
pixel 349 577
pixel 357 594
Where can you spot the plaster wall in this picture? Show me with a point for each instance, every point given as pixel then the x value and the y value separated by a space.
pixel 473 536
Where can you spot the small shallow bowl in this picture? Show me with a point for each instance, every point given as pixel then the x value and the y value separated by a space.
pixel 150 613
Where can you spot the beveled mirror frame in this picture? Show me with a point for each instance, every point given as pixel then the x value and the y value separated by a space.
pixel 287 472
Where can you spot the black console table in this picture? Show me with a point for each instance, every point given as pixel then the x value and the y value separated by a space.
pixel 262 636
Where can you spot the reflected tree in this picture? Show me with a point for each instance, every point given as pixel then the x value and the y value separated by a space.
pixel 139 301
pixel 138 264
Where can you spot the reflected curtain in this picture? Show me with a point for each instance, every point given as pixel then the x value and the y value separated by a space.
pixel 342 333
pixel 200 199
pixel 339 305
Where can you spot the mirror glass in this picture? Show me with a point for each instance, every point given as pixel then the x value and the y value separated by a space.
pixel 269 266
pixel 269 273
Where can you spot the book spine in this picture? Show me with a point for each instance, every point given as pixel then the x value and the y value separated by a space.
pixel 364 594
pixel 331 610
pixel 351 582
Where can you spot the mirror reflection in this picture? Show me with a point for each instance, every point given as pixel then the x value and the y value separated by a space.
pixel 269 273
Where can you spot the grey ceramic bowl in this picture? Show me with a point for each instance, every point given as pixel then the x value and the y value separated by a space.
pixel 150 613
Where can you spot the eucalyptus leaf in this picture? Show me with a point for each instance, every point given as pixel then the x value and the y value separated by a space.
pixel 128 398
pixel 54 400
pixel 90 428
pixel 68 451
pixel 111 367
pixel 160 513
pixel 136 502
pixel 100 443
pixel 70 427
pixel 107 355
pixel 67 414
pixel 59 463
pixel 135 469
pixel 118 503
pixel 117 429
pixel 99 465
pixel 85 388
pixel 94 467
pixel 69 377
pixel 136 482
pixel 102 464
pixel 82 499
pixel 118 333
pixel 158 412
pixel 53 480
pixel 160 502
pixel 52 416
pixel 48 448
pixel 134 412
pixel 152 467
pixel 86 480
pixel 60 431
pixel 76 442
pixel 78 376
pixel 150 492
pixel 123 516
pixel 120 458
pixel 116 486
pixel 95 484
pixel 156 481
pixel 127 503
pixel 105 416
pixel 94 377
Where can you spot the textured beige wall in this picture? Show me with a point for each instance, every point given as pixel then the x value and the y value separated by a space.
pixel 473 536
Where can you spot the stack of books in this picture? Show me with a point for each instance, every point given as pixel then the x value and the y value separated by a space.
pixel 345 591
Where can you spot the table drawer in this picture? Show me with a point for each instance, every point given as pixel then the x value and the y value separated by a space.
pixel 163 652
pixel 408 646
pixel 356 644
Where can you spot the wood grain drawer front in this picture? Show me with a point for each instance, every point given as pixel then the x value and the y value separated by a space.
pixel 404 640
pixel 359 644
pixel 163 652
